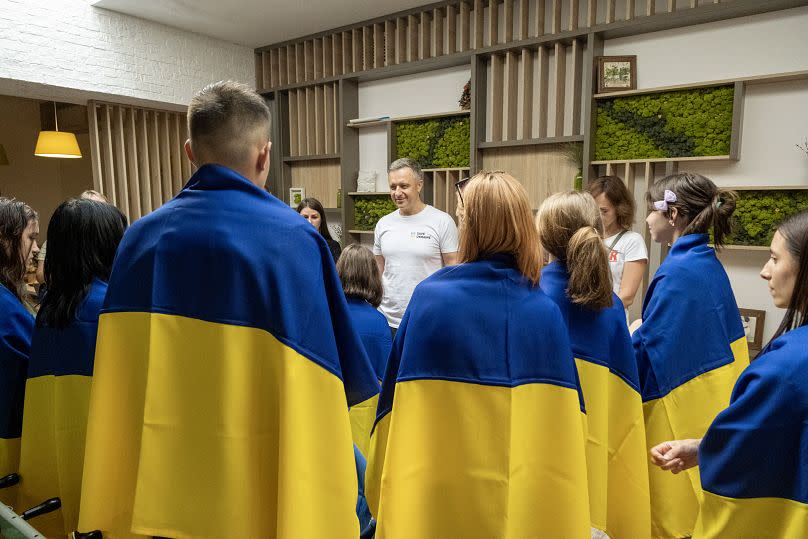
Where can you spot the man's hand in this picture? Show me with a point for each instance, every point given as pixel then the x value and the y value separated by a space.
pixel 676 455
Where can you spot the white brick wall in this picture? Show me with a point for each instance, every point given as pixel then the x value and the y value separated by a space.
pixel 70 51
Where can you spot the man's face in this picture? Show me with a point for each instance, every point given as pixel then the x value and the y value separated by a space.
pixel 405 188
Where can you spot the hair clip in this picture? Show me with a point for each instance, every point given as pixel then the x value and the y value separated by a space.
pixel 668 198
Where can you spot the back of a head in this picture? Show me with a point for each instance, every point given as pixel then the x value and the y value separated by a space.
pixel 83 236
pixel 225 119
pixel 92 194
pixel 700 204
pixel 618 194
pixel 360 275
pixel 497 219
pixel 569 229
pixel 14 218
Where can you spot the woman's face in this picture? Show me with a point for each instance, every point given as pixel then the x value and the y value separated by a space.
pixel 28 244
pixel 780 271
pixel 313 217
pixel 660 227
pixel 607 212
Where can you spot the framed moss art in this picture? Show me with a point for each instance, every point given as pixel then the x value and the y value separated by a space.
pixel 435 142
pixel 758 211
pixel 687 123
pixel 368 209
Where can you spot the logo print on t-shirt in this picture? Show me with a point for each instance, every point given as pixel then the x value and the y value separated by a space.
pixel 613 256
pixel 420 235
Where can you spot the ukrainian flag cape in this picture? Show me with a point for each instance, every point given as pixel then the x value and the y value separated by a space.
pixel 752 460
pixel 225 365
pixel 57 400
pixel 690 350
pixel 479 432
pixel 16 325
pixel 375 334
pixel 617 462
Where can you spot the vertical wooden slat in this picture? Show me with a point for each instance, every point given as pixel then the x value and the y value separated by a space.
pixel 630 14
pixel 378 45
pixel 291 70
pixel 493 22
pixel 154 160
pixel 389 42
pixel 328 118
pixel 609 169
pixel 336 113
pixel 425 36
pixel 176 163
pixel 650 7
pixel 300 62
pixel 308 62
pixel 328 62
pixel 479 24
pixel 527 93
pixel 266 70
pixel 592 13
pixel 120 161
pixel 465 27
pixel 577 85
pixel 311 122
pixel 507 14
pixel 95 147
pixel 317 58
pixel 259 70
pixel 451 29
pixel 302 123
pixel 671 6
pixel 497 84
pixel 319 120
pixel 401 40
pixel 437 31
pixel 574 9
pixel 556 24
pixel 294 147
pixel 694 3
pixel 336 53
pixel 511 94
pixel 541 17
pixel 110 185
pixel 132 164
pixel 367 47
pixel 282 70
pixel 357 42
pixel 274 68
pixel 347 52
pixel 544 86
pixel 560 61
pixel 165 158
pixel 524 18
pixel 412 38
pixel 610 7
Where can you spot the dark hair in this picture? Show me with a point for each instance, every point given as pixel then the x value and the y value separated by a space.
pixel 315 205
pixel 618 194
pixel 83 236
pixel 360 275
pixel 701 205
pixel 14 219
pixel 795 232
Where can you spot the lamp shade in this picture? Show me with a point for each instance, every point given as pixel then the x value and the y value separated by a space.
pixel 3 156
pixel 57 144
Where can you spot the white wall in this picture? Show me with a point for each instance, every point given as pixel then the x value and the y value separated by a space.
pixel 70 51
pixel 775 116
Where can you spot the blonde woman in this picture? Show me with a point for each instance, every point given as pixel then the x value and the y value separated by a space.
pixel 579 281
pixel 480 372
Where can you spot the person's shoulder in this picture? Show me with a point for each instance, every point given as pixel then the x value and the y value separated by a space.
pixel 786 355
pixel 388 220
pixel 633 237
pixel 437 215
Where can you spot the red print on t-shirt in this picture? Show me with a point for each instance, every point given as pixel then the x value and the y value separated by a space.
pixel 613 256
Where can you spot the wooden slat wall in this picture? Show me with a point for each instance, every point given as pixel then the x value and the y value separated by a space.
pixel 313 128
pixel 420 35
pixel 138 158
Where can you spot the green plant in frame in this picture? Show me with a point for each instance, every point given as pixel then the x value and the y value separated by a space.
pixel 452 148
pixel 757 212
pixel 442 143
pixel 369 209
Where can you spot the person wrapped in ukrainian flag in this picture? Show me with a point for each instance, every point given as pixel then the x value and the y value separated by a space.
pixel 57 394
pixel 226 360
pixel 479 431
pixel 578 279
pixel 690 347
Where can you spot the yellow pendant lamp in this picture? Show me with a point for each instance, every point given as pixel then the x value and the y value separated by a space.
pixel 57 143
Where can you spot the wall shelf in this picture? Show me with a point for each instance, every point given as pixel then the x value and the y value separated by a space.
pixel 445 169
pixel 663 160
pixel 361 231
pixel 368 193
pixel 410 118
pixel 529 142
pixel 298 158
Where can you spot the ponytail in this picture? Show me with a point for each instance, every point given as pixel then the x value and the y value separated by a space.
pixel 587 261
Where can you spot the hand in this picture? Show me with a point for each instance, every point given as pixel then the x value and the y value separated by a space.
pixel 676 455
pixel 635 325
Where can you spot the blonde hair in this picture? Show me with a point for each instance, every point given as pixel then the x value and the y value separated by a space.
pixel 497 219
pixel 569 228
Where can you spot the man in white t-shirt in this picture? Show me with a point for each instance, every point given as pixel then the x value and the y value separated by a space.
pixel 411 243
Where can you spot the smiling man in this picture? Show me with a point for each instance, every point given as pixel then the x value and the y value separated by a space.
pixel 411 243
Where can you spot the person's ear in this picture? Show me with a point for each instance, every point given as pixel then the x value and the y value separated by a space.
pixel 262 163
pixel 674 213
pixel 189 152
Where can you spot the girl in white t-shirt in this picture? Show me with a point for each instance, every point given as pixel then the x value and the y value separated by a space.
pixel 628 255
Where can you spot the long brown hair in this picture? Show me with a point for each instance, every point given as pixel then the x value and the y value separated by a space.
pixel 618 194
pixel 360 275
pixel 570 229
pixel 700 204
pixel 795 233
pixel 497 219
pixel 14 218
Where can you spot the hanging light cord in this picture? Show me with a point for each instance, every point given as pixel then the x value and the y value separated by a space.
pixel 55 116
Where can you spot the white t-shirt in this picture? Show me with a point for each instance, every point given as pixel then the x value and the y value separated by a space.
pixel 630 248
pixel 411 246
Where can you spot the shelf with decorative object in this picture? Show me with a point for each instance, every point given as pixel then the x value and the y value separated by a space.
pixel 368 193
pixel 395 119
pixel 299 158
pixel 360 231
pixel 663 160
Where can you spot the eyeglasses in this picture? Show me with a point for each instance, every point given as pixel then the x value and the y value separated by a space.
pixel 460 185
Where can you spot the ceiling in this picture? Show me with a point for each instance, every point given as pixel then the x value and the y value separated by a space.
pixel 256 23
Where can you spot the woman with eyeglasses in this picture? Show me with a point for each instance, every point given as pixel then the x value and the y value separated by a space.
pixel 579 281
pixel 690 347
pixel 754 475
pixel 19 228
pixel 479 430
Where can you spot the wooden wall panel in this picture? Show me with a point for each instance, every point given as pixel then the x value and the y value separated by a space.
pixel 425 36
pixel 497 87
pixel 527 93
pixel 544 89
pixel 493 22
pixel 320 179
pixel 511 95
pixel 479 24
pixel 451 29
pixel 389 42
pixel 560 75
pixel 464 27
pixel 437 32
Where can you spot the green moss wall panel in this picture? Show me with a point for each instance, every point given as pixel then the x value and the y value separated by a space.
pixel 440 143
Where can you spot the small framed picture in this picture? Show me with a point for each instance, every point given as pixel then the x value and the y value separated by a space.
pixel 296 196
pixel 753 320
pixel 616 73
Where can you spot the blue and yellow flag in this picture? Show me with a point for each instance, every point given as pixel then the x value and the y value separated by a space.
pixel 754 473
pixel 690 350
pixel 225 364
pixel 16 326
pixel 479 431
pixel 377 340
pixel 57 400
pixel 617 462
